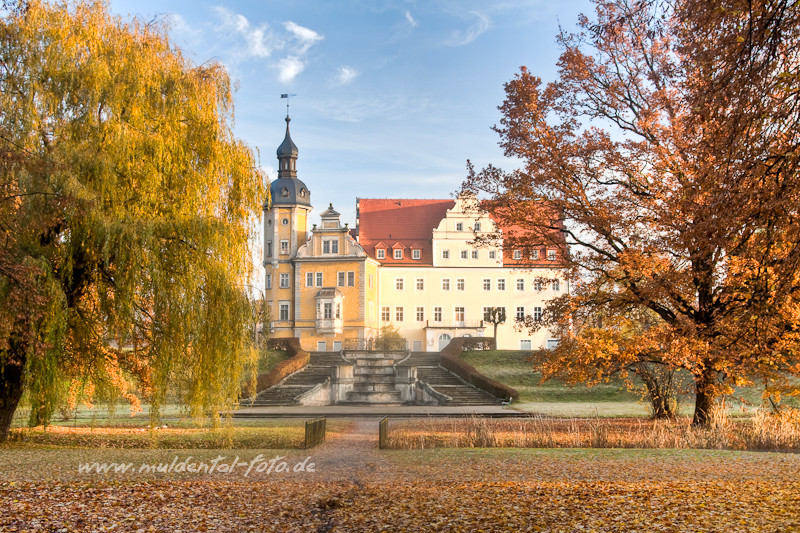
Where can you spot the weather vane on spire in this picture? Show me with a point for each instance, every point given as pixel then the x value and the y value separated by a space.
pixel 287 96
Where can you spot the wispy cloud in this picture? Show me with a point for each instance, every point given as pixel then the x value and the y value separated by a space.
pixel 463 37
pixel 411 20
pixel 345 75
pixel 259 40
pixel 289 67
pixel 306 37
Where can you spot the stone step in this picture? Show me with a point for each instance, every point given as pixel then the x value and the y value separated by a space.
pixel 374 378
pixel 373 387
pixel 373 397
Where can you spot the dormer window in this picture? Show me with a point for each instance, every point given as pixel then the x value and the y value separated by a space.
pixel 380 253
pixel 303 192
pixel 284 193
pixel 551 255
pixel 398 253
pixel 415 254
pixel 517 255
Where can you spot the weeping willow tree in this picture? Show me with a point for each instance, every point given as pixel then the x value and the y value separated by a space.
pixel 126 210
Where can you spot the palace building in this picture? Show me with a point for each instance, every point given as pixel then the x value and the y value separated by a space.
pixel 409 263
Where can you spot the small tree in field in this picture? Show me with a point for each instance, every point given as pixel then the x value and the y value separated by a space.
pixel 667 154
pixel 495 316
pixel 126 209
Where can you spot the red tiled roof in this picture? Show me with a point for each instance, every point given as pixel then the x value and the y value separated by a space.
pixel 409 223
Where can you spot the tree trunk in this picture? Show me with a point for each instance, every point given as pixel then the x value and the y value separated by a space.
pixel 704 401
pixel 12 376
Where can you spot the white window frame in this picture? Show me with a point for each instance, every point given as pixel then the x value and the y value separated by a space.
pixel 464 254
pixel 551 255
pixel 284 246
pixel 319 279
pixel 520 284
pixel 520 313
pixel 487 284
pixel 460 284
pixel 283 306
pixel 416 254
pixel 420 314
pixel 386 313
pixel 284 280
pixel 445 284
pixel 399 284
pixel 420 284
pixel 445 254
pixel 380 253
pixel 399 313
pixel 398 253
pixel 517 255
pixel 309 279
pixel 459 226
pixel 556 285
pixel 501 284
pixel 351 279
pixel 437 314
pixel 475 254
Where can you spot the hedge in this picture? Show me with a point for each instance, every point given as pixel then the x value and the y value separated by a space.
pixel 451 360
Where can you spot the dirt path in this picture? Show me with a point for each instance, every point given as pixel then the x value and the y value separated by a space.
pixel 351 455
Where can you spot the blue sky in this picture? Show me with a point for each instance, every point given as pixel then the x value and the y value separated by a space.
pixel 393 96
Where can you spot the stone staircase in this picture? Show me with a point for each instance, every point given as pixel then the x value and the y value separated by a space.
pixel 374 381
pixel 317 371
pixel 445 382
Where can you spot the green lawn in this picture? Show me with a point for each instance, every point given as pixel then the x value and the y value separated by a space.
pixel 604 400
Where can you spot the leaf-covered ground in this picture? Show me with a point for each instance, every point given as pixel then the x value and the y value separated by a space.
pixel 355 487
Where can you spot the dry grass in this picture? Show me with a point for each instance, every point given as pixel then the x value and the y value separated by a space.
pixel 763 431
pixel 283 435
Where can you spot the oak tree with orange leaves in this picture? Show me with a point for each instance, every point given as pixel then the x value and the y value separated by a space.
pixel 669 145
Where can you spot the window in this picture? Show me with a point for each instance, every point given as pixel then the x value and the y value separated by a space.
pixel 338 310
pixel 556 285
pixel 492 254
pixel 552 344
pixel 477 226
pixel 525 344
pixel 537 285
pixel 398 253
pixel 520 313
pixel 459 314
pixel 520 284
pixel 487 284
pixel 327 310
pixel 551 255
pixel 269 281
pixel 487 314
pixel 459 226
pixel 309 279
pixel 385 313
pixel 284 247
pixel 420 314
pixel 284 312
pixel 269 249
pixel 319 279
pixel 460 284
pixel 537 314
pixel 445 284
pixel 330 246
pixel 437 314
pixel 398 284
pixel 445 254
pixel 535 255
pixel 398 314
pixel 420 284
pixel 380 253
pixel 517 254
pixel 415 254
pixel 284 281
pixel 501 284
pixel 351 279
pixel 341 277
pixel 474 254
pixel 464 254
